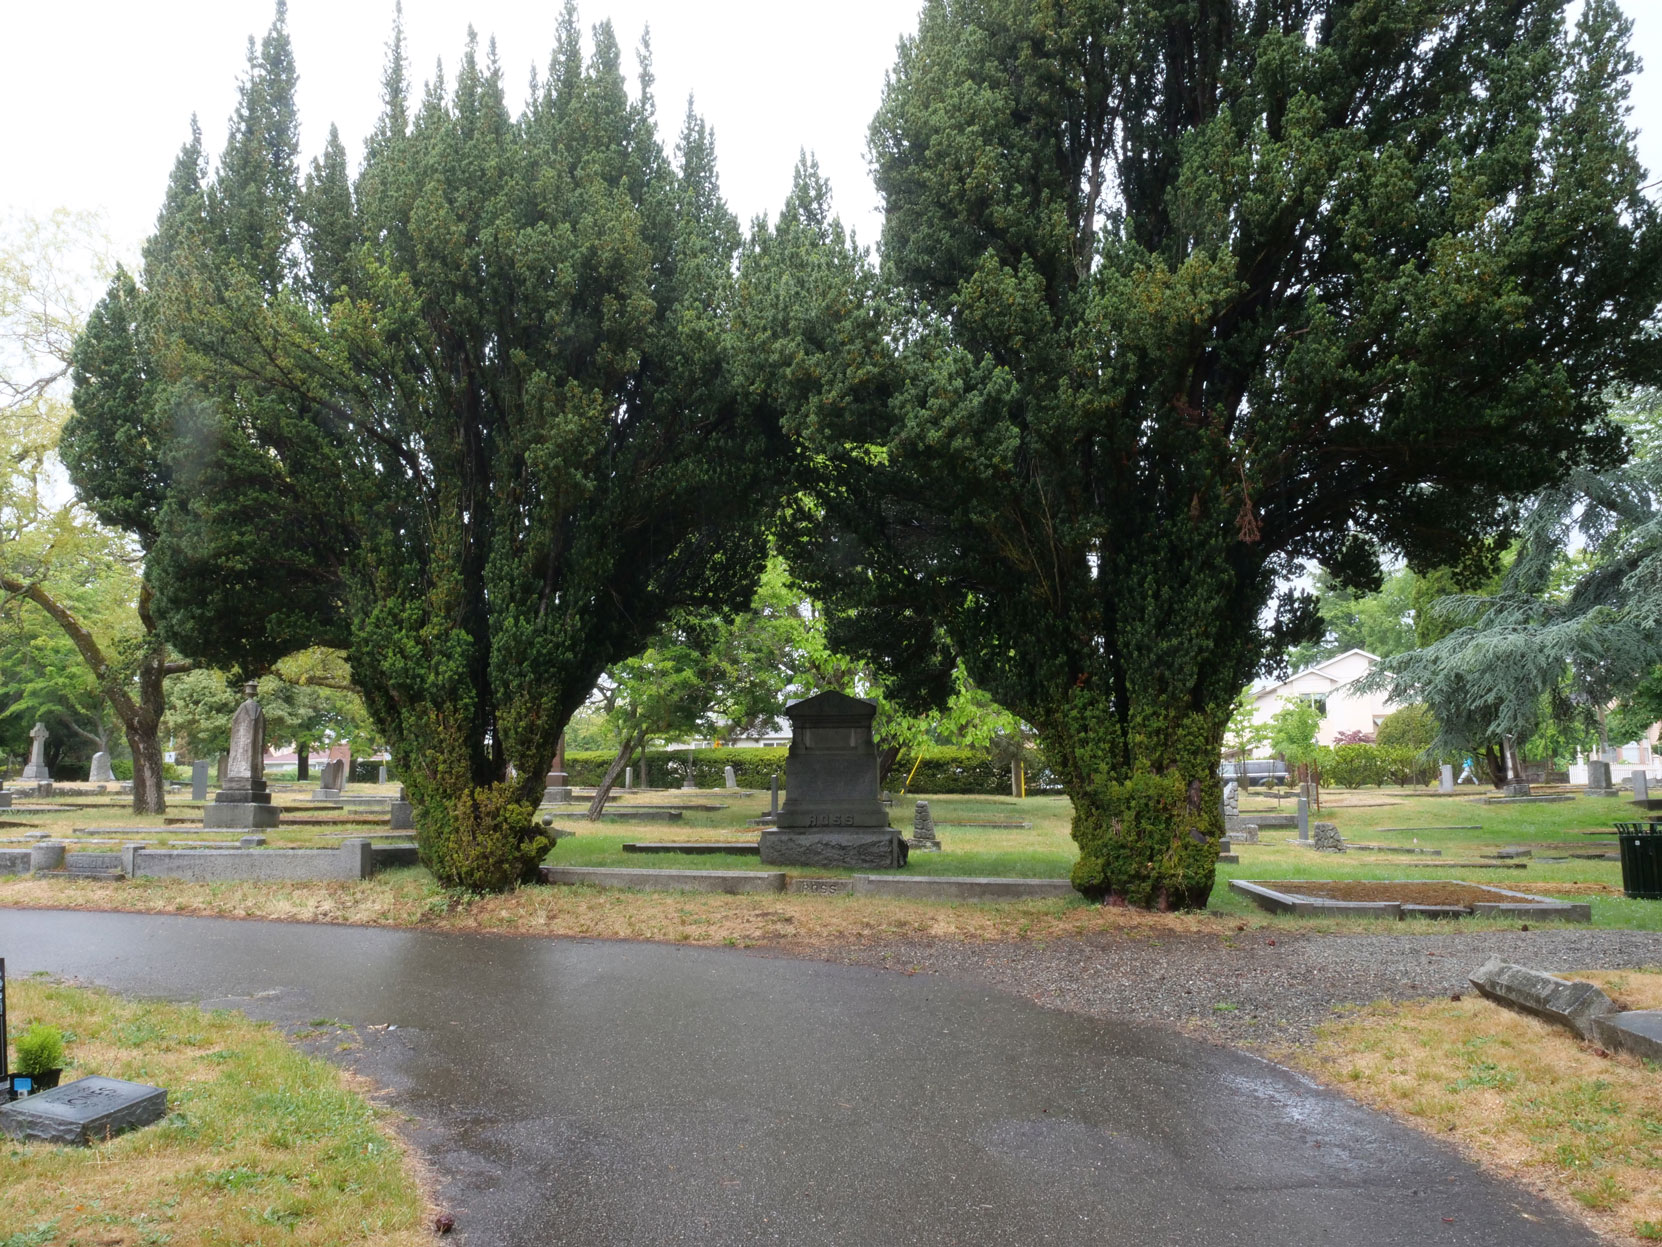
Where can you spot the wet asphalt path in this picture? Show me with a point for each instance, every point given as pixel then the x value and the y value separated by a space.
pixel 586 1093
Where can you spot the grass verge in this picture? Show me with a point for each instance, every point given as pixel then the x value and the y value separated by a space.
pixel 1518 1095
pixel 262 1144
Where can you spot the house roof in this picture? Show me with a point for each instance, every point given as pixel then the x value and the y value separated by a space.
pixel 1317 669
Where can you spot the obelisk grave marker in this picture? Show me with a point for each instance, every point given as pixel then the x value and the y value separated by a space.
pixel 243 801
pixel 833 814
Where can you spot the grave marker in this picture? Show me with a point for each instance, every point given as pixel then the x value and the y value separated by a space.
pixel 83 1111
pixel 1641 786
pixel 1445 778
pixel 833 814
pixel 243 801
pixel 36 768
pixel 100 772
pixel 199 781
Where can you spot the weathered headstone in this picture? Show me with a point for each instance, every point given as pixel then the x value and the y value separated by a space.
pixel 1598 780
pixel 1575 1005
pixel 330 780
pixel 832 814
pixel 923 830
pixel 1641 786
pixel 628 778
pixel 221 762
pixel 243 799
pixel 85 1110
pixel 1231 804
pixel 36 768
pixel 1327 839
pixel 199 780
pixel 1244 833
pixel 731 776
pixel 401 817
pixel 100 772
pixel 1445 778
pixel 382 778
pixel 1303 818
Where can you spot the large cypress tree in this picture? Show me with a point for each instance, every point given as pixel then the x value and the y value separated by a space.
pixel 475 415
pixel 1176 299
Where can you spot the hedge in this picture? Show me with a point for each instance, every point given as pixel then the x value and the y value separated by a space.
pixel 943 771
pixel 1356 766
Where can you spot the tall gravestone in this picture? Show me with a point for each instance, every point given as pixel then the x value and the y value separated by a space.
pixel 101 773
pixel 243 800
pixel 199 780
pixel 730 776
pixel 556 788
pixel 399 815
pixel 1598 780
pixel 1641 786
pixel 1445 778
pixel 1303 816
pixel 833 814
pixel 330 780
pixel 37 769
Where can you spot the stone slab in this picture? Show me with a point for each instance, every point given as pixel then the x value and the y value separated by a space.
pixel 818 885
pixel 1638 1032
pixel 642 816
pixel 961 887
pixel 84 1111
pixel 747 848
pixel 870 848
pixel 383 856
pixel 1569 1004
pixel 668 880
pixel 240 816
pixel 1550 800
pixel 354 859
pixel 1271 820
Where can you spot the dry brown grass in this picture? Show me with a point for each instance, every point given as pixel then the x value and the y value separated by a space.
pixel 262 1144
pixel 409 898
pixel 1520 1096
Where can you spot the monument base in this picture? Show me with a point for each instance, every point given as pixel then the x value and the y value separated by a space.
pixel 37 772
pixel 556 796
pixel 240 815
pixel 1604 792
pixel 326 794
pixel 1515 790
pixel 874 848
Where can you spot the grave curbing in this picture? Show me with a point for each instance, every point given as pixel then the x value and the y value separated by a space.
pixel 1569 1003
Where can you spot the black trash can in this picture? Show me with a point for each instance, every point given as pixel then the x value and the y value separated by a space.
pixel 1641 860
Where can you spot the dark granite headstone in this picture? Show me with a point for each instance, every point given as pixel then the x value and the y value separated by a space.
pixel 83 1111
pixel 833 814
pixel 199 781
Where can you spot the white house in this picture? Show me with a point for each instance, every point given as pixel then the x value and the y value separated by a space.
pixel 1330 684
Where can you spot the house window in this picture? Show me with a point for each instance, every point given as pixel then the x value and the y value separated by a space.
pixel 1319 701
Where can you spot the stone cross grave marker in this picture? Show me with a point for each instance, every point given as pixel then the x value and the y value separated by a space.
pixel 36 768
pixel 833 814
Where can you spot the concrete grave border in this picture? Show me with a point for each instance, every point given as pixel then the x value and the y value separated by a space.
pixel 1269 895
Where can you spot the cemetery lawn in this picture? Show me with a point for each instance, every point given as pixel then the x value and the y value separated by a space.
pixel 1520 1096
pixel 262 1143
pixel 982 836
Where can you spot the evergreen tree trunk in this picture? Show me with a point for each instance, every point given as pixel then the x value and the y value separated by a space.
pixel 1148 816
pixel 302 761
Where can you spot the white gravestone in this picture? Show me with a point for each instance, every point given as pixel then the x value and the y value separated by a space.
pixel 1445 778
pixel 101 773
pixel 36 769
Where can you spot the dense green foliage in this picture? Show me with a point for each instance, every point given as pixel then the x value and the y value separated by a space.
pixel 1381 623
pixel 1173 299
pixel 943 769
pixel 478 415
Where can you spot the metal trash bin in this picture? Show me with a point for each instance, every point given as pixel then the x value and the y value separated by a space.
pixel 1641 860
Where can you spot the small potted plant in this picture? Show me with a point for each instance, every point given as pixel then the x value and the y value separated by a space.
pixel 40 1056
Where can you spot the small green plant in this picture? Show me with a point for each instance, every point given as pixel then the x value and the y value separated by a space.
pixel 39 1050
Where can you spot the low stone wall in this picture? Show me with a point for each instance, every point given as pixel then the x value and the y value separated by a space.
pixel 355 859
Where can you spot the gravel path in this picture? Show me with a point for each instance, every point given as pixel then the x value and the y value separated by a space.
pixel 1253 988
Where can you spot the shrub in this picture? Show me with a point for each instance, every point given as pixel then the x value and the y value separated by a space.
pixel 1352 766
pixel 39 1050
pixel 1413 727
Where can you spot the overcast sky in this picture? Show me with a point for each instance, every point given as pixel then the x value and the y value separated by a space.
pixel 97 96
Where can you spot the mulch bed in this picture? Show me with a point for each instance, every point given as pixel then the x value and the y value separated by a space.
pixel 1409 892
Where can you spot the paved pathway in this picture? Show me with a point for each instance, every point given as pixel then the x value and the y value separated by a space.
pixel 601 1093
